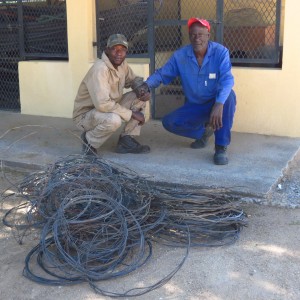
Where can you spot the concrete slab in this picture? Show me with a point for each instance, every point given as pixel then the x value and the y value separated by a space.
pixel 256 162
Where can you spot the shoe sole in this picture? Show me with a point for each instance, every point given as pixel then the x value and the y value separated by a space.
pixel 124 151
pixel 218 163
pixel 221 161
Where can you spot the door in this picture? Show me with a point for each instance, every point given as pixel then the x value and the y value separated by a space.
pixel 250 29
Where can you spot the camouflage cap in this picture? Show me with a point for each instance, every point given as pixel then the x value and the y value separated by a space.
pixel 117 39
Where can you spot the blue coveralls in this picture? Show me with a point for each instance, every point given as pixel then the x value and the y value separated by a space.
pixel 202 86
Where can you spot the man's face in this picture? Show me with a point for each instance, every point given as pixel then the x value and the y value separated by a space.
pixel 116 54
pixel 199 37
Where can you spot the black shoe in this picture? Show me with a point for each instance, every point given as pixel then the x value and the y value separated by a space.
pixel 201 143
pixel 87 149
pixel 127 144
pixel 220 157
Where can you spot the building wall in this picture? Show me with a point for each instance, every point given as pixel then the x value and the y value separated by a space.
pixel 48 88
pixel 268 99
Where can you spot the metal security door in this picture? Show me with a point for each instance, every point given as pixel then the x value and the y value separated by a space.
pixel 154 29
pixel 250 29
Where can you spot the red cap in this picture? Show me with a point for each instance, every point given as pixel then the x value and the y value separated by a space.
pixel 203 22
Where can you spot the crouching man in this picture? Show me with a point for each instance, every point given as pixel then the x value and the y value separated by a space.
pixel 100 106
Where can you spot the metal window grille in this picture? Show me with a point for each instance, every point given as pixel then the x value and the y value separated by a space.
pixel 45 29
pixel 127 17
pixel 250 29
pixel 32 29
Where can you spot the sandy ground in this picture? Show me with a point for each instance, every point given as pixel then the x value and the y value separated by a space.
pixel 263 264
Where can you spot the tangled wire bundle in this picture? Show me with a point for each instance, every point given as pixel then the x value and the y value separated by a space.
pixel 98 221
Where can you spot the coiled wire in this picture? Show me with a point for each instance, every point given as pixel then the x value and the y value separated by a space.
pixel 98 221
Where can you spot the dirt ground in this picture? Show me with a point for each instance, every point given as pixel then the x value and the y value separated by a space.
pixel 262 264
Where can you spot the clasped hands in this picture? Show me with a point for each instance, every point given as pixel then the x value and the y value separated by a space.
pixel 143 92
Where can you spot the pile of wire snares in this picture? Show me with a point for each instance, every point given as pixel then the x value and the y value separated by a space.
pixel 98 221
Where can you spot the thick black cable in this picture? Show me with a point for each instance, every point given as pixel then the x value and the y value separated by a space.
pixel 99 220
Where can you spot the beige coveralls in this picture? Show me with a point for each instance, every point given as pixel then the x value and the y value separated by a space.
pixel 100 105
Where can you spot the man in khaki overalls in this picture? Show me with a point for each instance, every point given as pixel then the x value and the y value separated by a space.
pixel 100 105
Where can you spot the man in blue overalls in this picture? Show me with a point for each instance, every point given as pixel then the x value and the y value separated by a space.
pixel 204 68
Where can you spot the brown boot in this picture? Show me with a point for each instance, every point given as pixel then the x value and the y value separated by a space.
pixel 127 144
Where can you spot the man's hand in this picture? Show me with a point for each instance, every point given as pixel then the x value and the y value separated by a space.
pixel 216 115
pixel 137 115
pixel 143 92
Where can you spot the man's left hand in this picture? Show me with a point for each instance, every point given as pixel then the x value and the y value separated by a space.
pixel 138 116
pixel 216 116
pixel 143 92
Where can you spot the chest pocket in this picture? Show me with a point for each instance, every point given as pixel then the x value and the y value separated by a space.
pixel 211 81
pixel 114 90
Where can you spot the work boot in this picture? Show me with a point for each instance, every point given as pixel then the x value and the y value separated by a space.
pixel 127 144
pixel 201 143
pixel 87 149
pixel 220 157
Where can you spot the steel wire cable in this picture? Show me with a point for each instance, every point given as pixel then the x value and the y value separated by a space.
pixel 94 273
pixel 100 219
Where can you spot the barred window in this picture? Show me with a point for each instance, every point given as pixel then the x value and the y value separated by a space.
pixel 29 29
pixel 250 29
